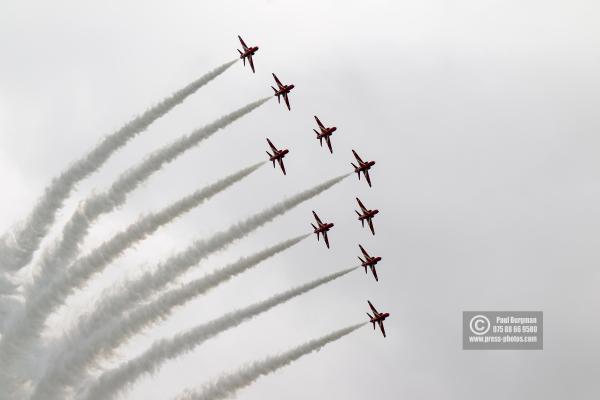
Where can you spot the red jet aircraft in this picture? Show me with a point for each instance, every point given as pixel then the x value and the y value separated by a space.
pixel 369 262
pixel 322 228
pixel 277 155
pixel 377 317
pixel 363 167
pixel 367 215
pixel 324 134
pixel 283 91
pixel 247 53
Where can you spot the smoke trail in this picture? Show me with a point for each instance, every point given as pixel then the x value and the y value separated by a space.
pixel 9 302
pixel 85 267
pixel 8 305
pixel 77 227
pixel 74 358
pixel 17 250
pixel 158 308
pixel 114 381
pixel 6 286
pixel 227 385
pixel 28 323
pixel 134 292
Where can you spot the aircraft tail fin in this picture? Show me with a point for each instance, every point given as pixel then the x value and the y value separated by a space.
pixel 356 170
pixel 271 158
pixel 373 322
pixel 363 264
pixel 319 137
pixel 362 221
pixel 276 94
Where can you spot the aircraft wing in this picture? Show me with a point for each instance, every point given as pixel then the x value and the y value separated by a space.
pixel 372 308
pixel 363 251
pixel 362 206
pixel 272 146
pixel 242 42
pixel 370 221
pixel 326 238
pixel 374 271
pixel 382 328
pixel 317 217
pixel 281 164
pixel 278 81
pixel 357 157
pixel 287 101
pixel 319 123
pixel 328 140
pixel 251 62
pixel 367 177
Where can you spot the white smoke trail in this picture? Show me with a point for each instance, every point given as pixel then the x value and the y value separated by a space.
pixel 8 305
pixel 7 287
pixel 74 357
pixel 227 385
pixel 114 381
pixel 77 227
pixel 26 325
pixel 175 296
pixel 136 291
pixel 85 267
pixel 17 249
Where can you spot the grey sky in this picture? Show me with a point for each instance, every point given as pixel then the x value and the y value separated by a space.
pixel 482 117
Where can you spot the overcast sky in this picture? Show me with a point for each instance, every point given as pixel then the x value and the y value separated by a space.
pixel 483 119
